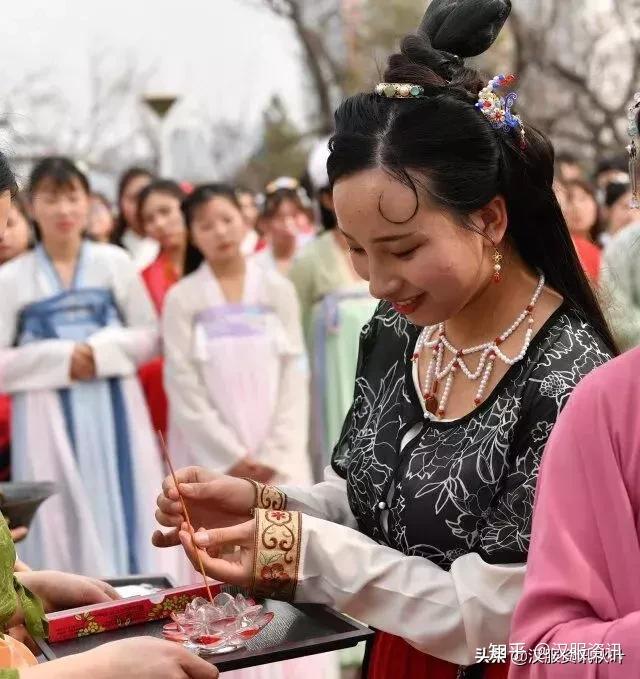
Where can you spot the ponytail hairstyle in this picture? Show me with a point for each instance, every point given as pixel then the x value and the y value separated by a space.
pixel 441 144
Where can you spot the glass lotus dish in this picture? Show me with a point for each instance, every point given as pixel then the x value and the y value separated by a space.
pixel 225 626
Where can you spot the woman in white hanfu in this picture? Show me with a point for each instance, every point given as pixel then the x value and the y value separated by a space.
pixel 75 324
pixel 235 369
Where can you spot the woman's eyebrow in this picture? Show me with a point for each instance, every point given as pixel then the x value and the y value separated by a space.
pixel 384 239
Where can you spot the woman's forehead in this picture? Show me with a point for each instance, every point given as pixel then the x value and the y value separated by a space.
pixel 55 186
pixel 375 198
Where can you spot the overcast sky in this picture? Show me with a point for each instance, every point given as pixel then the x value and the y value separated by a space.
pixel 219 54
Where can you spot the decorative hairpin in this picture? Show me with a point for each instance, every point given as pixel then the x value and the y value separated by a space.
pixel 399 90
pixel 282 184
pixel 287 184
pixel 497 109
pixel 634 150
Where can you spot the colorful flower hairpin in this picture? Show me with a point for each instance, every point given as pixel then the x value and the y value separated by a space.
pixel 634 151
pixel 497 109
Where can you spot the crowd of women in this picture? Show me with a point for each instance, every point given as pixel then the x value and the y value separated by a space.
pixel 482 493
pixel 94 383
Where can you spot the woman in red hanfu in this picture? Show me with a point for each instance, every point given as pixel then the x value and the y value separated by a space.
pixel 160 213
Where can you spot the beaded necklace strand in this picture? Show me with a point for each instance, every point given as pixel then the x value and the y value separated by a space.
pixel 434 337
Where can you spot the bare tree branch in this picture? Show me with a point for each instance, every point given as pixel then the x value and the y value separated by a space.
pixel 586 59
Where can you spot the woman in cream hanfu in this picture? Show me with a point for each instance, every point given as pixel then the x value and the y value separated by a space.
pixel 75 324
pixel 235 368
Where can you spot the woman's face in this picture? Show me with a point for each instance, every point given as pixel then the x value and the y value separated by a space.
pixel 582 211
pixel 162 220
pixel 283 223
pixel 287 223
pixel 129 200
pixel 430 267
pixel 249 209
pixel 16 237
pixel 621 213
pixel 217 230
pixel 101 222
pixel 62 212
pixel 5 209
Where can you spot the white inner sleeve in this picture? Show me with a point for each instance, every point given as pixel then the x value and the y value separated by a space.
pixel 446 614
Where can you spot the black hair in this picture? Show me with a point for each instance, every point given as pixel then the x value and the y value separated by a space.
pixel 440 142
pixel 241 189
pixel 616 162
pixel 197 198
pixel 126 177
pixel 328 218
pixel 19 202
pixel 59 170
pixel 566 157
pixel 7 178
pixel 165 186
pixel 614 191
pixel 274 199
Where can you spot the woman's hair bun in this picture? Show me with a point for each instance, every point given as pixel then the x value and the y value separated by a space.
pixel 465 28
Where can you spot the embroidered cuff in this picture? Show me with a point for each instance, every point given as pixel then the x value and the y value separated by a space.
pixel 268 497
pixel 277 553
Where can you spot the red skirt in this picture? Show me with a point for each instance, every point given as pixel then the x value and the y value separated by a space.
pixel 151 381
pixel 5 437
pixel 394 657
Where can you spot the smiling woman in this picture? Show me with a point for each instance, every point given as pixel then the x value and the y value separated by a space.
pixel 486 324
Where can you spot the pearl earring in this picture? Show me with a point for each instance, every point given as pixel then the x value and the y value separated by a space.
pixel 497 267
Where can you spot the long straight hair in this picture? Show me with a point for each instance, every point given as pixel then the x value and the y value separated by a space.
pixel 441 144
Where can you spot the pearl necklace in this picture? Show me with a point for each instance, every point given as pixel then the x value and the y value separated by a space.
pixel 434 337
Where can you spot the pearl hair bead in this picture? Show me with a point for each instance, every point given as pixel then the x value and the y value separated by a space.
pixel 435 338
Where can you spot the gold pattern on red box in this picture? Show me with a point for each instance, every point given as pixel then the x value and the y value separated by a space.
pixel 81 622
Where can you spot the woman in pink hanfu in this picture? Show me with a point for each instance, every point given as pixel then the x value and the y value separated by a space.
pixel 582 590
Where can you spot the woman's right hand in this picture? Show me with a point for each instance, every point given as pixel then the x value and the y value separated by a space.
pixel 213 501
pixel 83 365
pixel 142 658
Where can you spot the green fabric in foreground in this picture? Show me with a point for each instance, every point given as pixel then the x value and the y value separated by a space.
pixel 12 593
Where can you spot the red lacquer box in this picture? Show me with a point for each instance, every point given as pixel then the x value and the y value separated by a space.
pixel 81 622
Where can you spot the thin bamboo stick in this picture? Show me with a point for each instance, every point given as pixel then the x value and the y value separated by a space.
pixel 167 459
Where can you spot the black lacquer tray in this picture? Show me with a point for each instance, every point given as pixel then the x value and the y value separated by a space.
pixel 296 630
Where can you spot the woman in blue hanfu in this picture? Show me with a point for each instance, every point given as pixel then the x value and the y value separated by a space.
pixel 75 324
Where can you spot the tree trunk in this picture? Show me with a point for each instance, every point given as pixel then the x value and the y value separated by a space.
pixel 321 85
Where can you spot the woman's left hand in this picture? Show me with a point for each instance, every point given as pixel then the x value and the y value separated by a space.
pixel 18 534
pixel 227 554
pixel 61 591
